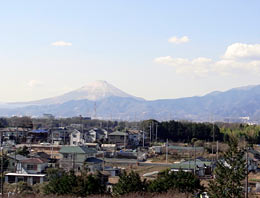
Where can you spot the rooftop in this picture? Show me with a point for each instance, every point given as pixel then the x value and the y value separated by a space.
pixel 119 133
pixel 34 161
pixel 77 149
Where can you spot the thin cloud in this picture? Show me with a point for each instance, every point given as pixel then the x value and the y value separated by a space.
pixel 198 66
pixel 238 58
pixel 176 40
pixel 61 44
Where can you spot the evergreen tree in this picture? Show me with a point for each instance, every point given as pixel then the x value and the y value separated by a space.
pixel 180 181
pixel 229 173
pixel 129 183
pixel 63 183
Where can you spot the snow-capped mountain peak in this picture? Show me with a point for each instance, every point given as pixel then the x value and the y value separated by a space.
pixel 94 91
pixel 99 90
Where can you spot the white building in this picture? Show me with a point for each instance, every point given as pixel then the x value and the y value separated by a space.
pixel 76 138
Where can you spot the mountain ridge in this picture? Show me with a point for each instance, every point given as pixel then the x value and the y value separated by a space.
pixel 233 103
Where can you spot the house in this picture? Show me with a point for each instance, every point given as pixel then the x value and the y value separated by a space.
pixel 118 137
pixel 92 145
pixel 94 164
pixel 14 160
pixel 16 134
pixel 30 179
pixel 74 157
pixel 113 171
pixel 60 136
pixel 30 170
pixel 135 137
pixel 96 134
pixel 201 168
pixel 52 150
pixel 32 165
pixel 76 138
pixel 37 136
pixel 108 147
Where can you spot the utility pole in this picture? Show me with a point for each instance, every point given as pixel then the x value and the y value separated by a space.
pixel 246 184
pixel 51 143
pixel 125 140
pixel 166 151
pixel 143 137
pixel 2 166
pixel 213 139
pixel 189 159
pixel 156 131
pixel 217 150
pixel 150 134
pixel 195 166
pixel 95 110
pixel 103 160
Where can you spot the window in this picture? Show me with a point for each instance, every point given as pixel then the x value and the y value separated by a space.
pixel 65 155
pixel 31 167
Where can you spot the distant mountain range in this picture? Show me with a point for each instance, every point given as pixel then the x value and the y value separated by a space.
pixel 108 102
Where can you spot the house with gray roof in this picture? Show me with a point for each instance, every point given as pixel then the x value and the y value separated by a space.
pixel 118 138
pixel 201 167
pixel 14 160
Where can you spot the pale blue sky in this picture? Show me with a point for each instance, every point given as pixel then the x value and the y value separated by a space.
pixel 126 42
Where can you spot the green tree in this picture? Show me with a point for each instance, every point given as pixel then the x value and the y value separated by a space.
pixel 88 184
pixel 229 173
pixel 129 183
pixel 24 151
pixel 181 181
pixel 63 183
pixel 3 122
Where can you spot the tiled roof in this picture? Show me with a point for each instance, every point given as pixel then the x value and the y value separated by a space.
pixel 35 161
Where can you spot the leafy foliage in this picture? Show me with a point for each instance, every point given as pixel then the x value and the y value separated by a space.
pixel 229 173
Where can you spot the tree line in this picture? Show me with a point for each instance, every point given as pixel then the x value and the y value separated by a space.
pixel 179 131
pixel 67 183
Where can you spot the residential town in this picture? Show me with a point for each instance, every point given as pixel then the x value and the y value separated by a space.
pixel 29 152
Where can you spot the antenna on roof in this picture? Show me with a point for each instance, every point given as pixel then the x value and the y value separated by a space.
pixel 95 110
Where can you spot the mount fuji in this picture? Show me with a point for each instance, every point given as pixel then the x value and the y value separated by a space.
pixel 108 102
pixel 95 91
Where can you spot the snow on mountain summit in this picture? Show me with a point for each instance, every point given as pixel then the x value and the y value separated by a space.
pixel 99 90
